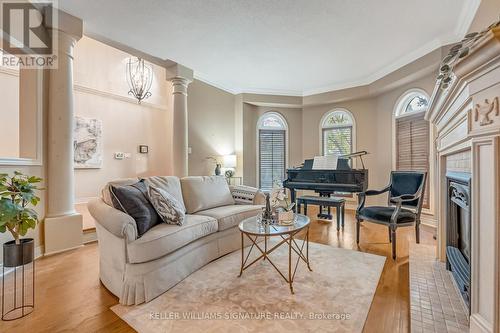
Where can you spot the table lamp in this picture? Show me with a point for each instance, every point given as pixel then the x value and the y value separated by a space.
pixel 229 163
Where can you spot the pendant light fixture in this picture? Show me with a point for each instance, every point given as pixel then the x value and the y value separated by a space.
pixel 139 78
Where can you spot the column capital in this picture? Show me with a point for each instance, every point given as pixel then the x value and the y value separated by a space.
pixel 62 22
pixel 178 71
pixel 179 85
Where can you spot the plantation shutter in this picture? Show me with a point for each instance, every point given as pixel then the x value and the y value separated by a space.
pixel 271 157
pixel 412 146
pixel 337 141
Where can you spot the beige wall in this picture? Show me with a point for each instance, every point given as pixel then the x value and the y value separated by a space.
pixel 9 112
pixel 487 13
pixel 30 100
pixel 211 119
pixel 250 117
pixel 101 92
pixel 373 118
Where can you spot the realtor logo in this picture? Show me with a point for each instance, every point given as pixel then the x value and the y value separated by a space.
pixel 26 42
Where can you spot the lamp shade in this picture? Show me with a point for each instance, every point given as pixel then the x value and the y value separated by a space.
pixel 229 161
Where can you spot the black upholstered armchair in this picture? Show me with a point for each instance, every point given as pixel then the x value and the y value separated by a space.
pixel 405 199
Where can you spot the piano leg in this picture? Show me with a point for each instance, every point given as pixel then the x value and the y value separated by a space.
pixel 292 199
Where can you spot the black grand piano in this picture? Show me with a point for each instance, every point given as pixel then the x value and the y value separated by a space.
pixel 326 182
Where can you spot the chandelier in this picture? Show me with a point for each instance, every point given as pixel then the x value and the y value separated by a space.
pixel 139 78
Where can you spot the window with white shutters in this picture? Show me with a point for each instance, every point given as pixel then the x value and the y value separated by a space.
pixel 272 134
pixel 271 157
pixel 412 137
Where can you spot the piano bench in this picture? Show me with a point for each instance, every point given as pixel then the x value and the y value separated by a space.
pixel 338 203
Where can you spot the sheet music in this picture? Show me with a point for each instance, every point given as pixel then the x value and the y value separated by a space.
pixel 325 162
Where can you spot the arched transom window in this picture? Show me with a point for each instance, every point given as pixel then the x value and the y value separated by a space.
pixel 337 133
pixel 412 102
pixel 272 121
pixel 272 133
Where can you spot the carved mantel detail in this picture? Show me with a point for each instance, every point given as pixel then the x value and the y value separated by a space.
pixel 482 112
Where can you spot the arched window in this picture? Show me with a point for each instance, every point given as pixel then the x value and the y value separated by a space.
pixel 337 133
pixel 413 101
pixel 411 134
pixel 272 138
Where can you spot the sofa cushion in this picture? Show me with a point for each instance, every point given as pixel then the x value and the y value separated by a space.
pixel 171 184
pixel 134 200
pixel 169 209
pixel 164 238
pixel 232 215
pixel 205 192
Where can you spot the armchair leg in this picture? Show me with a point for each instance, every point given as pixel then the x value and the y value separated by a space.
pixel 358 224
pixel 389 229
pixel 393 241
pixel 417 232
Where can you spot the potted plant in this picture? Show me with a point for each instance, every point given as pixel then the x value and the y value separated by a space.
pixel 17 194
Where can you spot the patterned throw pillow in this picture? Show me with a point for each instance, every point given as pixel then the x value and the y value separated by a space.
pixel 169 208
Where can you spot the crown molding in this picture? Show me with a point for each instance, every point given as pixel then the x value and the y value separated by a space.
pixel 201 77
pixel 469 10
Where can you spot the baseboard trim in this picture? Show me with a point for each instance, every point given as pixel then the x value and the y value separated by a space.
pixel 89 236
pixel 61 251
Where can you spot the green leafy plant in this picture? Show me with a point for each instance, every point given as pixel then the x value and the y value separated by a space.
pixel 17 192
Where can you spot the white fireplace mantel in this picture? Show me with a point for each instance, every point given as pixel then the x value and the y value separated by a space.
pixel 466 118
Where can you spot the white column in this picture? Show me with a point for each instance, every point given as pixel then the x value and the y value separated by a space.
pixel 180 126
pixel 63 226
pixel 60 173
pixel 180 77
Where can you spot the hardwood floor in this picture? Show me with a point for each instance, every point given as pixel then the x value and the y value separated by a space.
pixel 70 298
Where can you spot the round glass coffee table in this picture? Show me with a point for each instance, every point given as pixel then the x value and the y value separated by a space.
pixel 252 229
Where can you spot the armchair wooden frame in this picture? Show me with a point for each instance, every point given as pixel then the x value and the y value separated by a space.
pixel 399 202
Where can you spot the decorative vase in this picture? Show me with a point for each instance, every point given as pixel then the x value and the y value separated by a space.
pixel 285 217
pixel 217 169
pixel 17 257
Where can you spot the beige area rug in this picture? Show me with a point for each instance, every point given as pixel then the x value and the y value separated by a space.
pixel 334 297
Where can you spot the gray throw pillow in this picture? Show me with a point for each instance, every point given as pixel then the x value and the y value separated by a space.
pixel 170 209
pixel 133 200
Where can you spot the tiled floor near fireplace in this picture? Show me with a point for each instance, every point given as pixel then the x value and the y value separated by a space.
pixel 435 303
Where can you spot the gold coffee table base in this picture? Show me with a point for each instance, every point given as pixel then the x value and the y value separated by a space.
pixel 287 238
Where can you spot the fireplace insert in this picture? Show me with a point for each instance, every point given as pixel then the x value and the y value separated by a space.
pixel 458 231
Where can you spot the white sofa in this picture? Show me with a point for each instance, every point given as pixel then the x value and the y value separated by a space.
pixel 138 269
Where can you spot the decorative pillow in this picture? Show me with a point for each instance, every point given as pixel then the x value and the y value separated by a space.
pixel 170 209
pixel 243 195
pixel 170 184
pixel 205 192
pixel 134 201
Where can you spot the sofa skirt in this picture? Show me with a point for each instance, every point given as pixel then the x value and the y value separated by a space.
pixel 142 282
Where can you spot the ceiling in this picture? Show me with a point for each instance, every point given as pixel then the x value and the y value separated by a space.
pixel 288 47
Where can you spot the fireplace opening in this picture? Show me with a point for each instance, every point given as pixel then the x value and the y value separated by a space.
pixel 458 231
